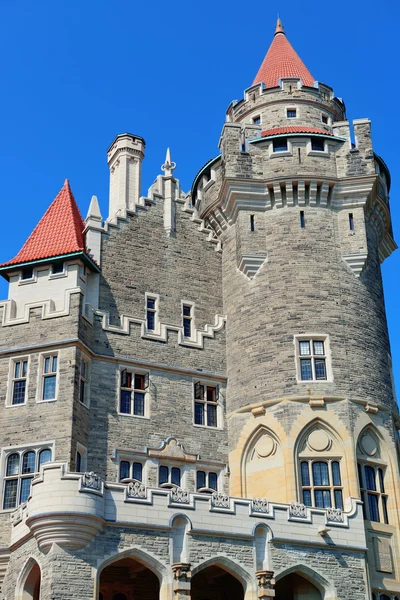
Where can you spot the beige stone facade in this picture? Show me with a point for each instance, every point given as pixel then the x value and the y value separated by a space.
pixel 213 414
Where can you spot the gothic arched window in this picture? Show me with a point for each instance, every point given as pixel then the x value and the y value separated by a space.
pixel 371 478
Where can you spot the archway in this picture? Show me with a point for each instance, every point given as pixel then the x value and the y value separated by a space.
pixel 296 587
pixel 128 579
pixel 214 583
pixel 31 588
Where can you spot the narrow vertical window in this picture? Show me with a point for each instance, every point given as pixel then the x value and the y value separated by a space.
pixel 187 320
pixel 83 381
pixel 351 222
pixel 151 313
pixel 251 222
pixel 312 359
pixel 206 404
pixel 78 461
pixel 19 381
pixel 49 377
pixel 302 219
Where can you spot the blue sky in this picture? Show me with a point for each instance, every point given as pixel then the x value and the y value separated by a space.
pixel 76 73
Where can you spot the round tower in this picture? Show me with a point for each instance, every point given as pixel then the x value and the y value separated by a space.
pixel 303 217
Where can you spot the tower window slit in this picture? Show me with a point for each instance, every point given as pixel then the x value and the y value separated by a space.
pixel 351 221
pixel 251 222
pixel 302 219
pixel 299 154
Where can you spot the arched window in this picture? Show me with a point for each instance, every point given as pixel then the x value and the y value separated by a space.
pixel 371 478
pixel 20 471
pixel 319 466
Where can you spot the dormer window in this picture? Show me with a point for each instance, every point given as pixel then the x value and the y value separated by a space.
pixel 318 144
pixel 27 273
pixel 257 120
pixel 291 113
pixel 57 267
pixel 280 145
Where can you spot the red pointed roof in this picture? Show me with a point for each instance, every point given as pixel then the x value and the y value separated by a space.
pixel 59 231
pixel 282 61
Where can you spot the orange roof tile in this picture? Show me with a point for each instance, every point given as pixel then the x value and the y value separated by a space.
pixel 59 231
pixel 294 129
pixel 282 61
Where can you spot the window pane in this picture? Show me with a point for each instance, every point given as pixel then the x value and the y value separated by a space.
pixel 186 311
pixel 305 367
pixel 307 497
pixel 19 391
pixel 304 348
pixel 211 415
pixel 28 462
pixel 82 391
pixel 373 507
pixel 24 368
pixel 212 481
pixel 125 404
pixel 381 482
pixel 151 303
pixel 150 320
pixel 83 369
pixel 360 477
pixel 44 457
pixel 199 413
pixel 320 473
pixel 25 489
pixel 78 462
pixel 384 507
pixel 364 508
pixel 280 145
pixel 163 475
pixel 370 478
pixel 176 476
pixel 319 500
pixel 124 469
pixel 338 499
pixel 47 364
pixel 187 329
pixel 49 387
pixel 138 406
pixel 139 382
pixel 137 471
pixel 54 364
pixel 319 348
pixel 13 464
pixel 320 369
pixel 305 474
pixel 210 394
pixel 17 370
pixel 10 494
pixel 317 144
pixel 201 480
pixel 326 495
pixel 336 473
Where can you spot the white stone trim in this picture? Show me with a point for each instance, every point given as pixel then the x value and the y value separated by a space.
pixel 40 375
pixel 10 379
pixel 328 358
pixel 84 455
pixel 47 307
pixel 147 395
pixel 279 153
pixel 356 262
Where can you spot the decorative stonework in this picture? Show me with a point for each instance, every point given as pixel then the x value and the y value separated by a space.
pixel 91 481
pixel 335 515
pixel 179 495
pixel 136 489
pixel 356 262
pixel 265 446
pixel 296 509
pixel 181 584
pixel 171 448
pixel 250 264
pixel 220 499
pixel 265 584
pixel 319 441
pixel 383 555
pixel 259 505
pixel 368 445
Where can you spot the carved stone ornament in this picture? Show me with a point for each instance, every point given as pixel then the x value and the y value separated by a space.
pixel 136 489
pixel 335 515
pixel 181 571
pixel 266 584
pixel 259 505
pixel 179 495
pixel 296 509
pixel 220 499
pixel 171 448
pixel 91 481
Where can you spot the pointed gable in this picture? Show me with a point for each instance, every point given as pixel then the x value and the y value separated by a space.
pixel 282 61
pixel 59 232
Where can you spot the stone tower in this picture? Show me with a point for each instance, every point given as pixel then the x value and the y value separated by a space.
pixel 197 391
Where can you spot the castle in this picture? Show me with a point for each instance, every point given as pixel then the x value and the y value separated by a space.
pixel 197 398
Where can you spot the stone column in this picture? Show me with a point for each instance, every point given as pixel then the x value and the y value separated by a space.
pixel 182 577
pixel 266 584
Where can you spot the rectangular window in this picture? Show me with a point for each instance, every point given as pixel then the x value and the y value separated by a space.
pixel 57 267
pixel 324 119
pixel 302 219
pixel 291 113
pixel 187 320
pixel 251 222
pixel 372 492
pixel 27 273
pixel 49 377
pixel 280 145
pixel 323 488
pixel 317 144
pixel 151 310
pixel 169 477
pixel 80 458
pixel 130 470
pixel 19 377
pixel 351 222
pixel 206 398
pixel 133 388
pixel 206 482
pixel 20 467
pixel 257 120
pixel 83 381
pixel 312 360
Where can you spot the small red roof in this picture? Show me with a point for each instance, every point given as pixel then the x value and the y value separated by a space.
pixel 59 231
pixel 294 129
pixel 282 61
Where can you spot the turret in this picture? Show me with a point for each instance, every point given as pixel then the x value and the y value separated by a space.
pixel 125 157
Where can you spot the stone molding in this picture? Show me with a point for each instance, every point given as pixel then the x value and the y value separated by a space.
pixel 47 307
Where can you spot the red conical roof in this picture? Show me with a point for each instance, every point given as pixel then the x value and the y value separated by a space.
pixel 59 231
pixel 282 61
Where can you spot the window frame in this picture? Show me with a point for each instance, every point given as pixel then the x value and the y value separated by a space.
pixel 146 394
pixel 365 492
pixel 85 379
pixel 311 152
pixel 157 325
pixel 82 450
pixel 168 484
pixel 207 489
pixel 11 380
pixel 205 384
pixel 291 109
pixel 131 461
pixel 191 318
pixel 311 338
pixel 279 153
pixel 256 120
pixel 21 450
pixel 42 375
pixel 313 487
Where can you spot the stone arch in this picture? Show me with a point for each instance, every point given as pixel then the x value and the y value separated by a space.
pixel 179 547
pixel 271 459
pixel 237 571
pixel 335 448
pixel 29 581
pixel 326 588
pixel 148 560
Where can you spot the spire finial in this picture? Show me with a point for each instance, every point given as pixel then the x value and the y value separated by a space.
pixel 168 166
pixel 279 26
